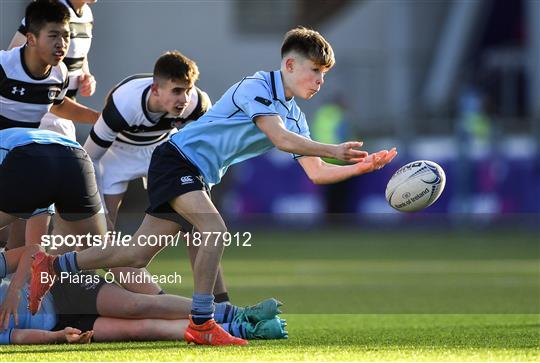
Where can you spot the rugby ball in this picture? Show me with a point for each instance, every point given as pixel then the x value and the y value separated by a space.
pixel 415 186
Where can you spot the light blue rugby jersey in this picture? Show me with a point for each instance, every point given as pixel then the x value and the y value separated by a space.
pixel 20 136
pixel 45 318
pixel 226 134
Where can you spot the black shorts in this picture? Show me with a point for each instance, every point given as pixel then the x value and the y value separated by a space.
pixel 170 174
pixel 37 175
pixel 76 302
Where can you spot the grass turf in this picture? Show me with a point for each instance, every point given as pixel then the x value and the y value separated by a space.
pixel 337 338
pixel 364 296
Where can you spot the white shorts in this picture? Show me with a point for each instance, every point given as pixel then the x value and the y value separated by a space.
pixel 123 163
pixel 54 123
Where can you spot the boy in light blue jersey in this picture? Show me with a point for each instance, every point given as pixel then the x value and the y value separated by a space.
pixel 252 117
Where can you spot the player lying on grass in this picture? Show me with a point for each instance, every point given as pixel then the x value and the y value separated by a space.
pixel 88 307
pixel 252 117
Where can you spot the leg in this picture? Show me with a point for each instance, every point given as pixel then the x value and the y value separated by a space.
pixel 5 219
pixel 219 286
pixel 112 329
pixel 113 203
pixel 115 301
pixel 94 225
pixel 199 210
pixel 60 229
pixel 36 227
pixel 136 255
pixel 16 234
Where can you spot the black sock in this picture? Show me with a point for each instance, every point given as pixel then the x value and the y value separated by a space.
pixel 222 297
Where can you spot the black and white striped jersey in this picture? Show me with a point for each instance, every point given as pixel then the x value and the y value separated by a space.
pixel 25 99
pixel 80 27
pixel 126 117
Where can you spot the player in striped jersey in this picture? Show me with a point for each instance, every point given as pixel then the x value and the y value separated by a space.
pixel 80 79
pixel 33 79
pixel 141 112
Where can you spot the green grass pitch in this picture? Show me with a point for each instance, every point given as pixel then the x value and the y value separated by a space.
pixel 352 295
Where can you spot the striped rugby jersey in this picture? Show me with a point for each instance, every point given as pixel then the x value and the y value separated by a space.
pixel 24 99
pixel 127 119
pixel 80 27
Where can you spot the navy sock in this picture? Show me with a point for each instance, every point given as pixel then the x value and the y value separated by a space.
pixel 3 266
pixel 202 308
pixel 222 297
pixel 235 329
pixel 66 263
pixel 225 313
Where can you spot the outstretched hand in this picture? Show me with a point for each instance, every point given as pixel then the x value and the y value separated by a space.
pixel 348 152
pixel 75 336
pixel 375 161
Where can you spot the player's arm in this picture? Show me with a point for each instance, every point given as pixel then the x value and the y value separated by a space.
pixel 321 172
pixel 21 260
pixel 36 336
pixel 72 110
pixel 100 138
pixel 288 141
pixel 87 82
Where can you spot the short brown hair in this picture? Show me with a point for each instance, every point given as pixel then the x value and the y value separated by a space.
pixel 176 66
pixel 310 44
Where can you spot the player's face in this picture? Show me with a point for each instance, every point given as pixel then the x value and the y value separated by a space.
pixel 174 96
pixel 52 43
pixel 307 78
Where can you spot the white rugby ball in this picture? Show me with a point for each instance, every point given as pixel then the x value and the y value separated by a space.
pixel 415 186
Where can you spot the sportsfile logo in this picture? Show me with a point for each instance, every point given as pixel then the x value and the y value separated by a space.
pixel 188 179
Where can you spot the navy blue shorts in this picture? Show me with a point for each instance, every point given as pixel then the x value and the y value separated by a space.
pixel 170 175
pixel 35 176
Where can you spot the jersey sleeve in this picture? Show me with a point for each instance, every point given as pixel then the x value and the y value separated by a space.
pixel 301 128
pixel 254 98
pixel 5 336
pixel 109 124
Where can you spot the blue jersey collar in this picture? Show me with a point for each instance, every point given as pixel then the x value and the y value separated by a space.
pixel 278 91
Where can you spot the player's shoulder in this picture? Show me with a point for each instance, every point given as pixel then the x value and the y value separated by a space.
pixel 255 83
pixel 127 94
pixel 84 16
pixel 10 57
pixel 132 85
